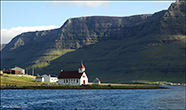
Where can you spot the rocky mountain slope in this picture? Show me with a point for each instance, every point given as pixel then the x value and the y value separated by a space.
pixel 114 49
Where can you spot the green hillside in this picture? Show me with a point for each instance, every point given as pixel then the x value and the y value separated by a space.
pixel 120 61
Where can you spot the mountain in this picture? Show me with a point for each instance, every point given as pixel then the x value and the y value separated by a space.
pixel 115 49
pixel 2 46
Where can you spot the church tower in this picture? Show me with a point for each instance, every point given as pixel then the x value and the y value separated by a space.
pixel 81 68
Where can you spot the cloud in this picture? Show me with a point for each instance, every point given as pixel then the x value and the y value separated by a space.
pixel 8 34
pixel 84 4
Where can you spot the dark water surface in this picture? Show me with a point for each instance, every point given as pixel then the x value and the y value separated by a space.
pixel 173 98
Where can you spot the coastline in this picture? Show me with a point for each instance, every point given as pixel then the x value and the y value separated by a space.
pixel 85 87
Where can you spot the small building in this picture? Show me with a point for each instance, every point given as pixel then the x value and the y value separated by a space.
pixel 18 69
pixel 79 77
pixel 16 72
pixel 96 81
pixel 49 78
pixel 39 79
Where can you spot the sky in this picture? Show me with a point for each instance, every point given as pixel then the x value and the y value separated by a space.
pixel 24 16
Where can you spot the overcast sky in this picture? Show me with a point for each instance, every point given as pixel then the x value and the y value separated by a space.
pixel 18 17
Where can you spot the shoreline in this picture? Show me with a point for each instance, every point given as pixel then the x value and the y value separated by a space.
pixel 82 87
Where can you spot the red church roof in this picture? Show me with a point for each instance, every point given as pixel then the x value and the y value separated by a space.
pixel 71 74
pixel 81 66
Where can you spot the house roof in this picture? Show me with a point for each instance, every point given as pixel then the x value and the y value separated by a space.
pixel 16 68
pixel 71 74
pixel 81 66
pixel 44 75
pixel 53 76
pixel 96 80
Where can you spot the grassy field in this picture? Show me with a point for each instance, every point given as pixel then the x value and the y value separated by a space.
pixel 12 80
pixel 28 82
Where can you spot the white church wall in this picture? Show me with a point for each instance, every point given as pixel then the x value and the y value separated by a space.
pixel 69 81
pixel 84 78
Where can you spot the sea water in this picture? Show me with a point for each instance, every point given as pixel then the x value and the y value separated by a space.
pixel 173 98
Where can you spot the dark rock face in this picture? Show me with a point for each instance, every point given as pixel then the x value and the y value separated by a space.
pixel 120 42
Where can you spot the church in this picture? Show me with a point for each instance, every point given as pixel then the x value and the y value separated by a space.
pixel 79 77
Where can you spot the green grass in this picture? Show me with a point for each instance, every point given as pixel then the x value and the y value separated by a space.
pixel 24 80
pixel 44 61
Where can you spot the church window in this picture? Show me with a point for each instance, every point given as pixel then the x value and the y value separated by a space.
pixel 64 80
pixel 77 80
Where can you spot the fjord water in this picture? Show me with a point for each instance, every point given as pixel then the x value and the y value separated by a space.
pixel 173 98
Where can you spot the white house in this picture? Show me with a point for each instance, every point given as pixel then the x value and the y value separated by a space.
pixel 53 79
pixel 46 78
pixel 39 79
pixel 73 77
pixel 96 81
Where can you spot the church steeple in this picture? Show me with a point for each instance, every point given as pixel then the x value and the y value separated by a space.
pixel 81 68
